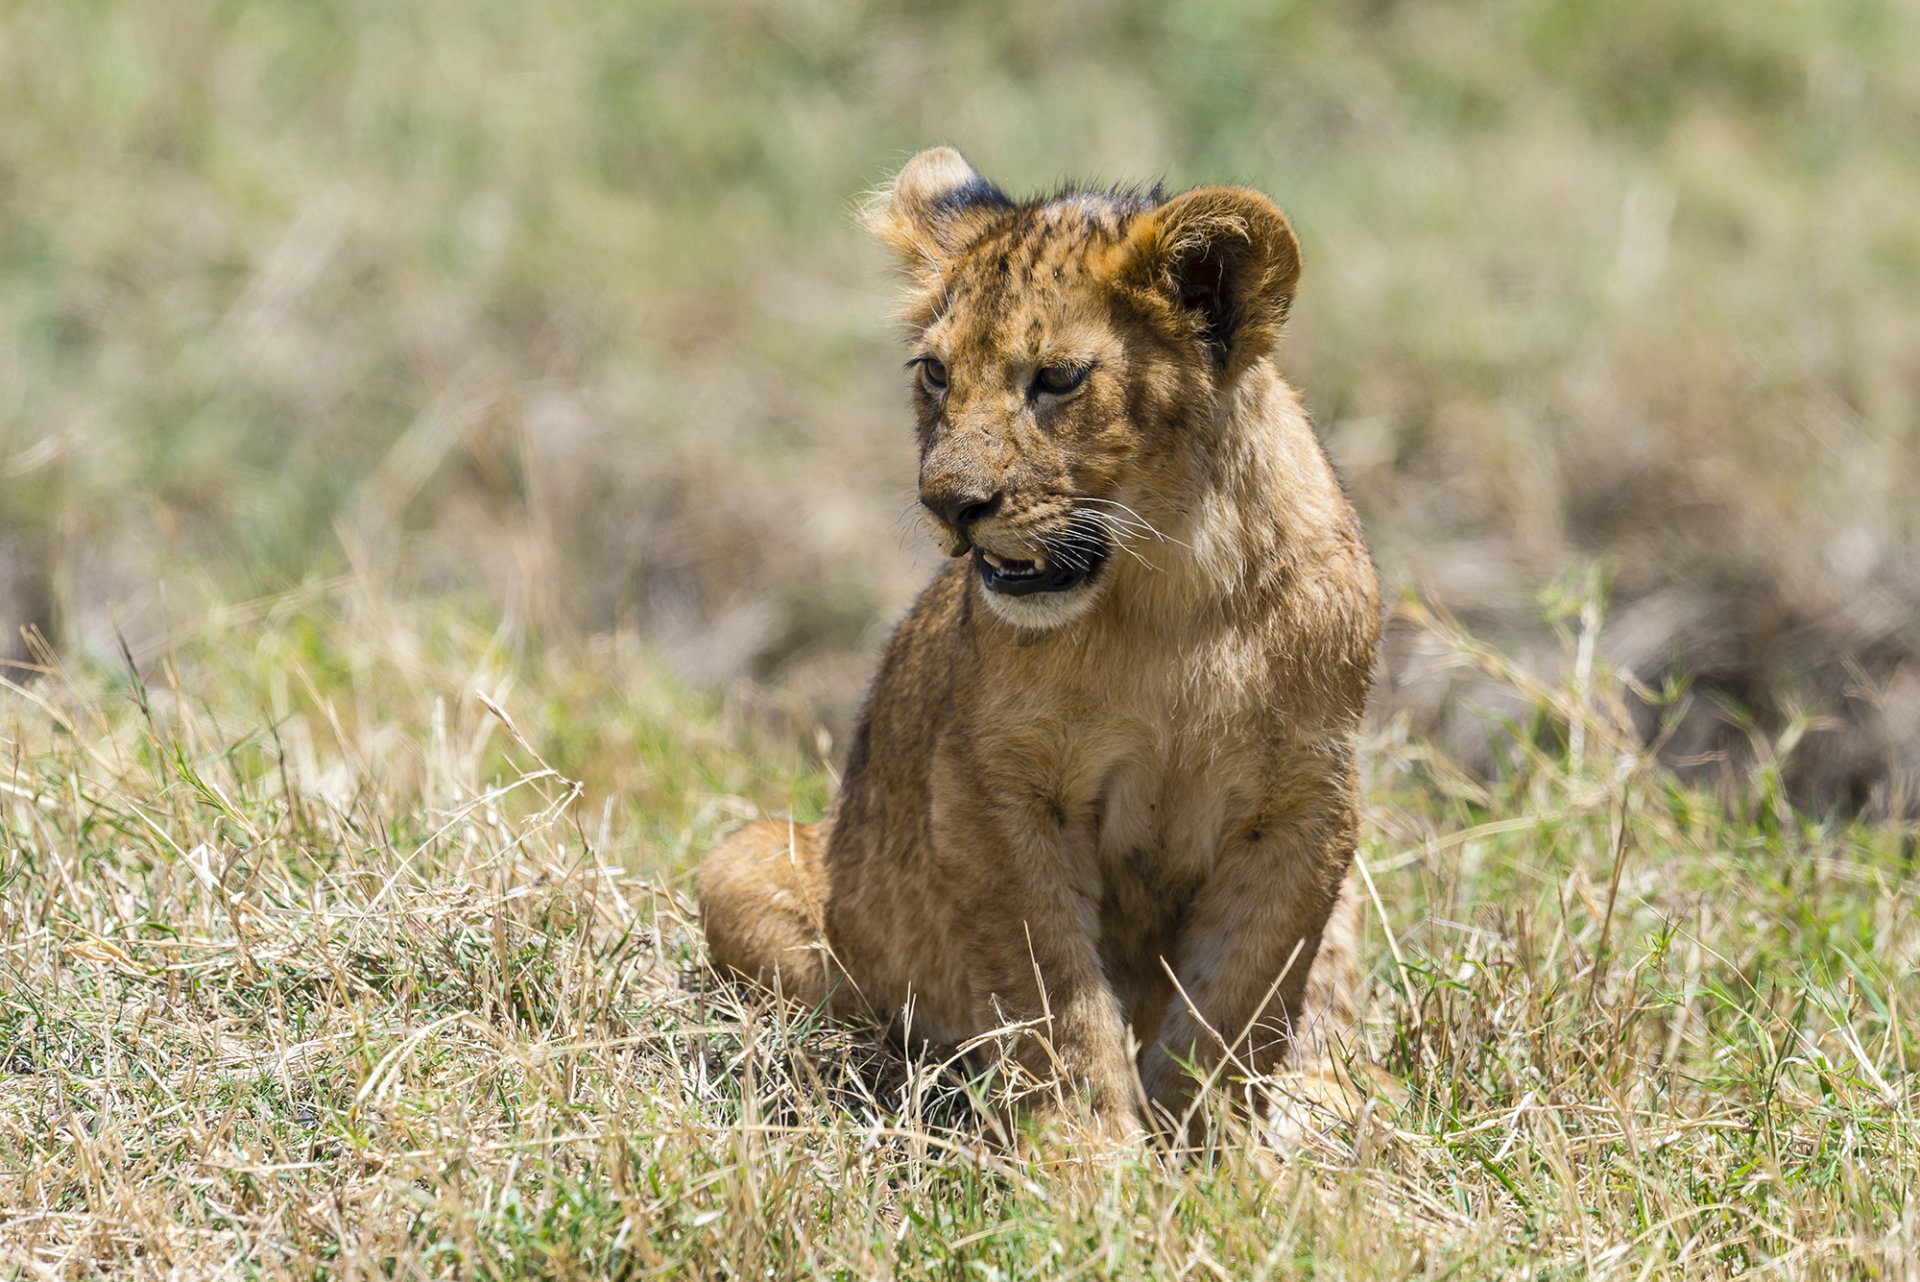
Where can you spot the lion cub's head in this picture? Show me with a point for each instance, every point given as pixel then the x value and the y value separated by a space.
pixel 1072 356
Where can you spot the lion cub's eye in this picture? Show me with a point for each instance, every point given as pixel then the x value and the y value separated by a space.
pixel 1058 380
pixel 933 372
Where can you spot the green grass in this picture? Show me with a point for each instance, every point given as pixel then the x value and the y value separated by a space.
pixel 313 965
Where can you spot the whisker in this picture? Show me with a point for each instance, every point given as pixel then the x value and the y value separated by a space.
pixel 1133 517
pixel 1119 529
pixel 905 526
pixel 1115 530
pixel 1070 554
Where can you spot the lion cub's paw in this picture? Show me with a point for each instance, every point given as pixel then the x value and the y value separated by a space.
pixel 1349 1108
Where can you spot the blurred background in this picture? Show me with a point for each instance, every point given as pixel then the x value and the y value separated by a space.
pixel 560 309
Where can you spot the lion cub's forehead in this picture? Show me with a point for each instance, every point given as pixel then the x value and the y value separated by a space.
pixel 1037 281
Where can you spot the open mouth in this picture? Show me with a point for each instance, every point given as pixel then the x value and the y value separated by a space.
pixel 1058 570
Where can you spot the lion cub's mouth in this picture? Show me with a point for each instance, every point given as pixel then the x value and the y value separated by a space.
pixel 1011 576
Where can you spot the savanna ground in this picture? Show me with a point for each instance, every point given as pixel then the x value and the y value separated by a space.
pixel 361 360
pixel 348 942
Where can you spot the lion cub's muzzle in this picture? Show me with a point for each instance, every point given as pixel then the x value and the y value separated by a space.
pixel 1011 564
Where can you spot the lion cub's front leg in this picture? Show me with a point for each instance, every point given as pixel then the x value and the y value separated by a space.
pixel 1254 988
pixel 1030 951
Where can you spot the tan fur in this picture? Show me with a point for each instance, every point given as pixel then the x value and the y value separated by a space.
pixel 1118 816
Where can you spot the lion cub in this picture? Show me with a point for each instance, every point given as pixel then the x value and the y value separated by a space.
pixel 1103 792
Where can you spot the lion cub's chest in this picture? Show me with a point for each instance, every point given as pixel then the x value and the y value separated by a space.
pixel 1162 819
pixel 1171 777
pixel 1163 825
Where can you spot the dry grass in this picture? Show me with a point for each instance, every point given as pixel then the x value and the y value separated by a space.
pixel 313 964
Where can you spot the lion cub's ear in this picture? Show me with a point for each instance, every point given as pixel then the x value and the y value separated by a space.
pixel 1226 259
pixel 936 206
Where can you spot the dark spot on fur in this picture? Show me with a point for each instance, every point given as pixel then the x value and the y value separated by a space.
pixel 1117 203
pixel 975 192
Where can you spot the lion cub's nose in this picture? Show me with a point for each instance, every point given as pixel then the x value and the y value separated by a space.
pixel 960 508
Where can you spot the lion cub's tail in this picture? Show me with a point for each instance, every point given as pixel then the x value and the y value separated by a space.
pixel 763 904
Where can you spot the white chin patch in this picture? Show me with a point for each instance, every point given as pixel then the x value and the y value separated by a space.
pixel 1040 610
